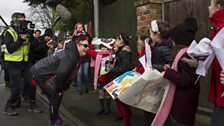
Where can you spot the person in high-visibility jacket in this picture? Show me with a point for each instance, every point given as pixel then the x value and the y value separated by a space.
pixel 16 63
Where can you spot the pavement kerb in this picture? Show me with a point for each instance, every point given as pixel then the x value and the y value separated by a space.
pixel 64 112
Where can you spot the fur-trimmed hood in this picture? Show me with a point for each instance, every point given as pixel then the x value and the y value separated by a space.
pixel 126 48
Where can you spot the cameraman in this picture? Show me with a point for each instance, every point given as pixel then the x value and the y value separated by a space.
pixel 40 46
pixel 16 63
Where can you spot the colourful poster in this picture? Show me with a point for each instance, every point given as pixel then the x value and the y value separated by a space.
pixel 146 91
pixel 121 83
pixel 106 65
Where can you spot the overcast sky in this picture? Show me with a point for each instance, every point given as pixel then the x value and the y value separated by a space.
pixel 8 7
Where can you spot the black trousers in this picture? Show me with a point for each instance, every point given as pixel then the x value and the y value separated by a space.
pixel 47 85
pixel 149 117
pixel 20 75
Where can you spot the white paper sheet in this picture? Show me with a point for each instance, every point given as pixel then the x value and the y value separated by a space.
pixel 202 49
pixel 218 48
pixel 143 62
pixel 148 54
pixel 203 66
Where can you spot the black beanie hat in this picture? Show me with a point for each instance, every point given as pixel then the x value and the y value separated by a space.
pixel 185 32
pixel 48 32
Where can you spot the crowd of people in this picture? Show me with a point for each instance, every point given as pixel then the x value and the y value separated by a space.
pixel 44 61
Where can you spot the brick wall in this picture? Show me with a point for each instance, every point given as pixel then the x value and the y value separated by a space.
pixel 146 11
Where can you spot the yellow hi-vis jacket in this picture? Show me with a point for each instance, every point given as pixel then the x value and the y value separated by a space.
pixel 20 54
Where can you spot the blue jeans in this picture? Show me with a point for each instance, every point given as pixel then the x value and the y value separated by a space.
pixel 20 76
pixel 83 76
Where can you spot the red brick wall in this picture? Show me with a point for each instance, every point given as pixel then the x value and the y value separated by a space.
pixel 146 11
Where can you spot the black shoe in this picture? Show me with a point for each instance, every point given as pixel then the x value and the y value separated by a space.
pixel 32 107
pixel 118 118
pixel 17 103
pixel 7 84
pixel 107 112
pixel 100 112
pixel 10 111
pixel 80 93
pixel 25 102
pixel 42 93
pixel 86 91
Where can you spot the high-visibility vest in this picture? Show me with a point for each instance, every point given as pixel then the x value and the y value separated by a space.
pixel 20 54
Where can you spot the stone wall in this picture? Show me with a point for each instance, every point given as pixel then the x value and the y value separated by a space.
pixel 146 11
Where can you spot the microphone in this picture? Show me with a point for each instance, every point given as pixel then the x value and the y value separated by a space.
pixel 63 12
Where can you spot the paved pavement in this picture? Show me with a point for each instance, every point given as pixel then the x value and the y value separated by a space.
pixel 84 107
pixel 24 118
pixel 76 110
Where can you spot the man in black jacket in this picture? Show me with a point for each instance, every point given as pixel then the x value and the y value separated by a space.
pixel 40 46
pixel 54 73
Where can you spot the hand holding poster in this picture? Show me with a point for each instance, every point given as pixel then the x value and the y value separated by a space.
pixel 147 92
pixel 106 65
pixel 144 91
pixel 121 83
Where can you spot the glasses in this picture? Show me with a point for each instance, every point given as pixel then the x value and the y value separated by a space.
pixel 85 45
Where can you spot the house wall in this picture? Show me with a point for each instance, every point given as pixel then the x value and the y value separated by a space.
pixel 146 11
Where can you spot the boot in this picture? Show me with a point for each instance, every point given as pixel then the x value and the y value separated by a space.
pixel 107 108
pixel 100 112
pixel 101 101
pixel 7 84
pixel 58 122
pixel 17 104
pixel 86 90
pixel 80 92
pixel 32 107
pixel 10 110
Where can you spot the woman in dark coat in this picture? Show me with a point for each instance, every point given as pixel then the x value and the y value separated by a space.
pixel 54 73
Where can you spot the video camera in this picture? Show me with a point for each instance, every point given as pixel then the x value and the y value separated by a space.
pixel 25 27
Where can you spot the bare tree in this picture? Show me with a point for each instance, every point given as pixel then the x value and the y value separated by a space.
pixel 42 16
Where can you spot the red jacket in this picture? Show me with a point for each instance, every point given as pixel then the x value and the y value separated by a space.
pixel 216 88
pixel 140 68
pixel 93 53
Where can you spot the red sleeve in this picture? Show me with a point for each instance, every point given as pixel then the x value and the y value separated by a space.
pixel 91 46
pixel 142 52
pixel 92 52
pixel 140 68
